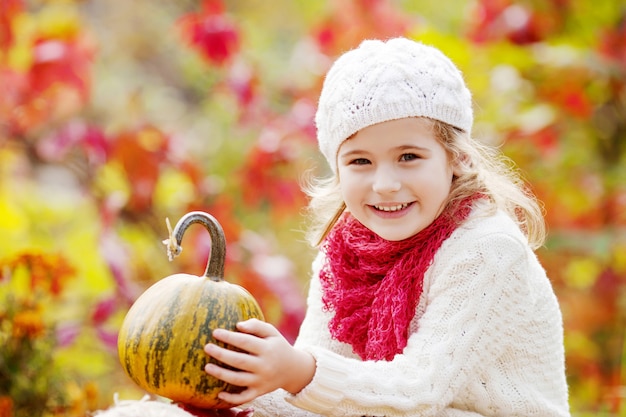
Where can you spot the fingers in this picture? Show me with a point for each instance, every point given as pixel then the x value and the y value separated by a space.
pixel 249 336
pixel 257 361
pixel 243 341
pixel 235 377
pixel 258 328
pixel 241 361
pixel 239 378
pixel 240 398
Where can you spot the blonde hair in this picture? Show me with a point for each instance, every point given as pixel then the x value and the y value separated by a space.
pixel 481 169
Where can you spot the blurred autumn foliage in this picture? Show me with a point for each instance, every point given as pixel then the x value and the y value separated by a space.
pixel 117 114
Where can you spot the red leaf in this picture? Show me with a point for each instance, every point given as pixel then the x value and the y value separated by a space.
pixel 613 42
pixel 223 209
pixel 141 153
pixel 48 272
pixel 14 88
pixel 193 172
pixel 103 310
pixel 210 7
pixel 89 139
pixel 545 140
pixel 578 104
pixel 61 62
pixel 108 337
pixel 354 20
pixel 244 84
pixel 517 22
pixel 67 333
pixel 8 10
pixel 211 32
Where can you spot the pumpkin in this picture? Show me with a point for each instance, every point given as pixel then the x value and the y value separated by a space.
pixel 161 340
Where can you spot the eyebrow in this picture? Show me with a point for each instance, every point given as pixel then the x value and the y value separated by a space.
pixel 398 148
pixel 419 148
pixel 350 153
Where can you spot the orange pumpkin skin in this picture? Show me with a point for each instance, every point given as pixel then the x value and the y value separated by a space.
pixel 162 338
pixel 161 341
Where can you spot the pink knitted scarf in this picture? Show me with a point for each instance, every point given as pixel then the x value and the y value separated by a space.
pixel 373 285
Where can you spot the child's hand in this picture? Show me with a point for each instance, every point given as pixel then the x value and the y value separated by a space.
pixel 268 362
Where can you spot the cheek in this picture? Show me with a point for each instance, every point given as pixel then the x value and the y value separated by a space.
pixel 449 170
pixel 350 185
pixel 347 189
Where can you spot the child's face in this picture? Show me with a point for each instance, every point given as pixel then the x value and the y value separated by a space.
pixel 395 177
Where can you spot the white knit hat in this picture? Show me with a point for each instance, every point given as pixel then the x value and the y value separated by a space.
pixel 381 81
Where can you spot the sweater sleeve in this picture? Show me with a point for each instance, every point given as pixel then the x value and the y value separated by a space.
pixel 477 296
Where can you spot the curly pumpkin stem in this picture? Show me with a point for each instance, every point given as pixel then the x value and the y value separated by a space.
pixel 215 264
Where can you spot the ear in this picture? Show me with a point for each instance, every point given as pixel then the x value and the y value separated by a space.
pixel 460 164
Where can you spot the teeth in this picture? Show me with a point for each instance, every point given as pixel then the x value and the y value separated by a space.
pixel 392 208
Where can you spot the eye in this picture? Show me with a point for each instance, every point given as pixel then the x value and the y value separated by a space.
pixel 360 161
pixel 409 157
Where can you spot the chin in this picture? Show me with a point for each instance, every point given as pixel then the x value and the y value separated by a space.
pixel 394 236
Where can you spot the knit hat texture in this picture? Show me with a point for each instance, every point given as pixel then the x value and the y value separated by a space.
pixel 386 80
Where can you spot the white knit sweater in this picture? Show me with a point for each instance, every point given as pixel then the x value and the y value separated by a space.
pixel 486 340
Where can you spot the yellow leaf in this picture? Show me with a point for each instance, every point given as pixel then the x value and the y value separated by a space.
pixel 582 273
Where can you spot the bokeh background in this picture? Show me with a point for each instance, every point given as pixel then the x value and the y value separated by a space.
pixel 117 114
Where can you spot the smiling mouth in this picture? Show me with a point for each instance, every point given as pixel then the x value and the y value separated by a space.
pixel 397 207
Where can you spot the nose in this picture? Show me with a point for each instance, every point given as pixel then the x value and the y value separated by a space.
pixel 386 180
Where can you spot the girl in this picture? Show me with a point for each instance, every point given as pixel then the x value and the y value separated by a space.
pixel 426 298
